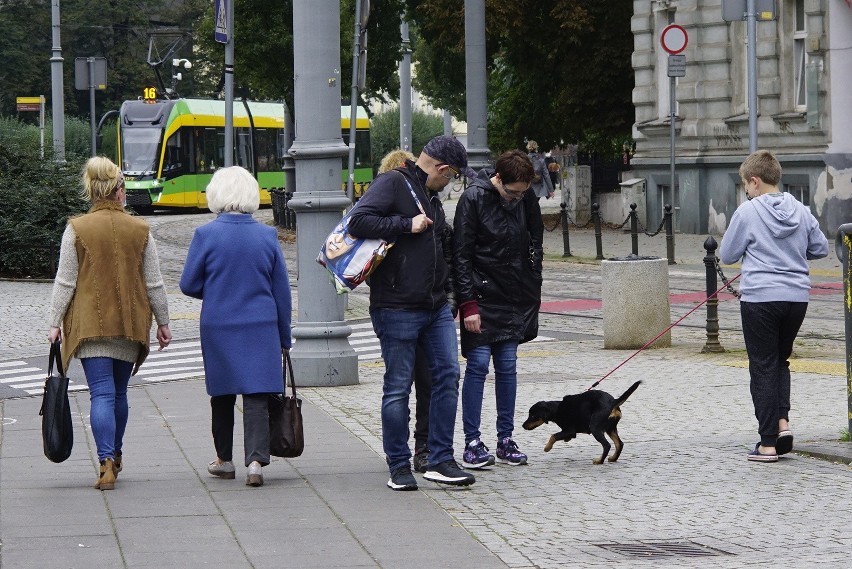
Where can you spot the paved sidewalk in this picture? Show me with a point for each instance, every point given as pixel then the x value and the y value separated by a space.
pixel 682 494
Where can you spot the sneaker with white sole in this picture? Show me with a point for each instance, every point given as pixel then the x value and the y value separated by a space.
pixel 507 451
pixel 449 472
pixel 402 479
pixel 254 476
pixel 476 455
pixel 224 470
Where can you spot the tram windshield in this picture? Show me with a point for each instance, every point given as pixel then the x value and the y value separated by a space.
pixel 139 150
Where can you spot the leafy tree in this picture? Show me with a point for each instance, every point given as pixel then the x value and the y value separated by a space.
pixel 558 71
pixel 384 132
pixel 264 60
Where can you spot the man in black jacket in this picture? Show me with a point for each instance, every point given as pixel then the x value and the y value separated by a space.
pixel 408 304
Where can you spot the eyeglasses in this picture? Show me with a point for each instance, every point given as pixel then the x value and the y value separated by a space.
pixel 455 173
pixel 515 193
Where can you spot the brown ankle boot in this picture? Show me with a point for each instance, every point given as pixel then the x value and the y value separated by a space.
pixel 116 464
pixel 106 479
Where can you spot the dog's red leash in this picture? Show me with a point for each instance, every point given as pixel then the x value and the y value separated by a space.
pixel 697 306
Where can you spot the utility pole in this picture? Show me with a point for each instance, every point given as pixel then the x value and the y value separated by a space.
pixel 321 353
pixel 229 87
pixel 751 55
pixel 405 90
pixel 475 82
pixel 57 89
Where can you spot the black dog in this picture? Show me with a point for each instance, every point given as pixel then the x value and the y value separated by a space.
pixel 592 412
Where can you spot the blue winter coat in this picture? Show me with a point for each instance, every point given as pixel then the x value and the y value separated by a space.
pixel 235 266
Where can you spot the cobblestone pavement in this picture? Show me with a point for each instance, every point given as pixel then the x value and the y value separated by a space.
pixel 682 482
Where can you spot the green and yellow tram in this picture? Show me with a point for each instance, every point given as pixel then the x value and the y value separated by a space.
pixel 169 149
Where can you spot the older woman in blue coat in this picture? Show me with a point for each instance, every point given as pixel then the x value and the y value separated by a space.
pixel 235 266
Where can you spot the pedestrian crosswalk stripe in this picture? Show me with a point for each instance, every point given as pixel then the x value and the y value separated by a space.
pixel 181 360
pixel 10 371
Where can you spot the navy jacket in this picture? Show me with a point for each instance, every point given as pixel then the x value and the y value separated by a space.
pixel 414 274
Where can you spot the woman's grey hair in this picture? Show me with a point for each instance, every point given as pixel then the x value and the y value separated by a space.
pixel 233 189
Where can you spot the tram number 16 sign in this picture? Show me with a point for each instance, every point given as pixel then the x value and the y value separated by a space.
pixel 674 39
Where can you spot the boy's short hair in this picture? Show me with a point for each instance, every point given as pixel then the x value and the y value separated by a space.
pixel 761 164
pixel 514 166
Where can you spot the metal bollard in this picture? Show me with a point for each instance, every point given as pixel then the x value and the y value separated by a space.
pixel 566 240
pixel 670 244
pixel 634 230
pixel 596 216
pixel 712 345
pixel 842 246
pixel 276 206
pixel 288 213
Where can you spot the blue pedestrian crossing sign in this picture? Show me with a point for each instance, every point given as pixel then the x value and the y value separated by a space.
pixel 220 30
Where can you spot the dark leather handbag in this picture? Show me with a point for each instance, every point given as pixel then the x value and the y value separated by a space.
pixel 286 435
pixel 56 430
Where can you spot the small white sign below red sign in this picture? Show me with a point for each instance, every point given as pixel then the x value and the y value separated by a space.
pixel 674 39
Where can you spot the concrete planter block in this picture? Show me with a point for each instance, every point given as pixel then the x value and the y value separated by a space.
pixel 635 302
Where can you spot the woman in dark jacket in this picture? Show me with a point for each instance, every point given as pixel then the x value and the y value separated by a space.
pixel 497 257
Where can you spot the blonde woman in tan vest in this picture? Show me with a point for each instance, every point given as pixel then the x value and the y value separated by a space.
pixel 107 286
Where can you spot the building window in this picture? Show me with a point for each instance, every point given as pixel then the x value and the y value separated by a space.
pixel 800 58
pixel 799 191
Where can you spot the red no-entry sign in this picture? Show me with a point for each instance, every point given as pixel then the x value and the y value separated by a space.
pixel 674 39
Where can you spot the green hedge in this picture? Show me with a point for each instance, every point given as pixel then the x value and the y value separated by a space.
pixel 37 196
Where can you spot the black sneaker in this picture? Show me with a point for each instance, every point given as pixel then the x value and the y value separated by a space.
pixel 402 479
pixel 421 459
pixel 448 472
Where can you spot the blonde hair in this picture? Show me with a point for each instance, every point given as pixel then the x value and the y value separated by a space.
pixel 761 164
pixel 532 146
pixel 101 179
pixel 395 159
pixel 233 189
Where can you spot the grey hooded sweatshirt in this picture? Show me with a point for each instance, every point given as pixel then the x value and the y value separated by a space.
pixel 775 235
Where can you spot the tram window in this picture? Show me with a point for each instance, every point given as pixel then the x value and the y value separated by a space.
pixel 209 149
pixel 243 148
pixel 362 149
pixel 264 148
pixel 174 155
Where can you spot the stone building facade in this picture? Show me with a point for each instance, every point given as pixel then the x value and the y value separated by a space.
pixel 804 88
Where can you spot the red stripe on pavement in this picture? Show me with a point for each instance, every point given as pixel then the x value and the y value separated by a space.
pixel 582 304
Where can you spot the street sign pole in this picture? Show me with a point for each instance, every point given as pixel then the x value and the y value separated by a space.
pixel 41 125
pixel 674 40
pixel 229 85
pixel 90 61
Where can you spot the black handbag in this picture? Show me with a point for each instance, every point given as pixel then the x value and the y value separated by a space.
pixel 286 435
pixel 56 429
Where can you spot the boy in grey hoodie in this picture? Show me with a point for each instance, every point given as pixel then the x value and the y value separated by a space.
pixel 774 235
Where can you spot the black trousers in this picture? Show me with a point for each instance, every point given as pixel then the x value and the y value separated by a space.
pixel 423 394
pixel 255 426
pixel 769 330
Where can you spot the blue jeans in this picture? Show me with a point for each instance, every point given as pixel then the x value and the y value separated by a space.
pixel 107 379
pixel 398 332
pixel 505 356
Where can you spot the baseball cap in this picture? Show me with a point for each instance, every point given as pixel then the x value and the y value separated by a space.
pixel 449 150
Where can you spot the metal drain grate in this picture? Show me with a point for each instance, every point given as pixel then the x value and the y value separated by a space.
pixel 662 549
